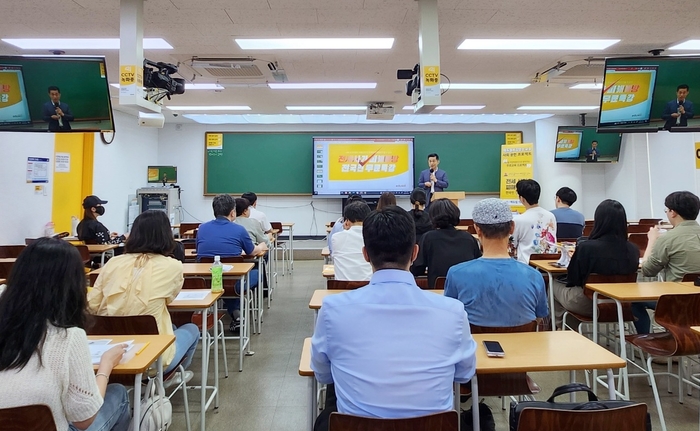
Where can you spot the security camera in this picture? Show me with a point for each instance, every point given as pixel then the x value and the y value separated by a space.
pixel 582 119
pixel 175 114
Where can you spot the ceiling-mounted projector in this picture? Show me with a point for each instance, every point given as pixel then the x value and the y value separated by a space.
pixel 151 120
pixel 377 111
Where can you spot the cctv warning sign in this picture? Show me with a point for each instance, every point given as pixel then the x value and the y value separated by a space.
pixel 431 80
pixel 127 75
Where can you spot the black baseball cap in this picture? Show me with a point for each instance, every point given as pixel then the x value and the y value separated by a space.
pixel 92 201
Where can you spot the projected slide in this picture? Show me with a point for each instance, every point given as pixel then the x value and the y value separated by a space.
pixel 367 166
pixel 14 109
pixel 568 144
pixel 627 94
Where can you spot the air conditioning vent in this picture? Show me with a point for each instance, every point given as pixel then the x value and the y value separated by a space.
pixel 244 68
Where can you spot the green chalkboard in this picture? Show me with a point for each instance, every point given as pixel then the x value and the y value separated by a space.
pixel 281 163
pixel 83 85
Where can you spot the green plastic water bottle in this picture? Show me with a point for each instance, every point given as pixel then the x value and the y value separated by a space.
pixel 217 273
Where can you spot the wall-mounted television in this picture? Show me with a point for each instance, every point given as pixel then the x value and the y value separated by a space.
pixel 367 166
pixel 54 94
pixel 578 144
pixel 648 94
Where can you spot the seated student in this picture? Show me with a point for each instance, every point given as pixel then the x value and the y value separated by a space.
pixel 144 280
pixel 44 355
pixel 497 290
pixel 445 246
pixel 92 231
pixel 347 245
pixel 222 237
pixel 390 349
pixel 607 252
pixel 420 216
pixel 252 226
pixel 570 222
pixel 338 226
pixel 385 200
pixel 673 254
pixel 256 214
pixel 536 228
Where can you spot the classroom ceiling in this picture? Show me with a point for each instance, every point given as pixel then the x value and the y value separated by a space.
pixel 206 28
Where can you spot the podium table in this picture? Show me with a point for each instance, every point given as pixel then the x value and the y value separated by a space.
pixel 455 197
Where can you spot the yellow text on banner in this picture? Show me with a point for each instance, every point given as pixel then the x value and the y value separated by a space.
pixel 351 162
pixel 697 155
pixel 215 141
pixel 513 138
pixel 431 80
pixel 516 165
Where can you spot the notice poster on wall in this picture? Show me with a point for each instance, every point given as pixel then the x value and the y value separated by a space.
pixel 37 170
pixel 516 165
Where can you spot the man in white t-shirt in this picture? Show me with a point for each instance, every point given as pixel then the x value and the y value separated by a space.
pixel 255 213
pixel 348 260
pixel 536 228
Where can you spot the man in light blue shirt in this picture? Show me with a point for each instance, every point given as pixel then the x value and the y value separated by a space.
pixel 497 290
pixel 570 222
pixel 391 349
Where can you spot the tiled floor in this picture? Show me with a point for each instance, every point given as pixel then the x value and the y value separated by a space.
pixel 269 395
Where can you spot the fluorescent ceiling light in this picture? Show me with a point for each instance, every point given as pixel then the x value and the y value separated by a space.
pixel 189 86
pixel 558 108
pixel 687 45
pixel 457 86
pixel 209 108
pixel 317 43
pixel 327 108
pixel 587 86
pixel 321 85
pixel 93 43
pixel 538 44
pixel 450 107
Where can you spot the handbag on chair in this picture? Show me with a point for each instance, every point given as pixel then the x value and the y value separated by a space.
pixel 156 410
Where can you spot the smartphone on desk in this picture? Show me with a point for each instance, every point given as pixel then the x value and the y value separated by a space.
pixel 494 349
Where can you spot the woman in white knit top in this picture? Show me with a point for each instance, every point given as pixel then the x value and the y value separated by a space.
pixel 44 355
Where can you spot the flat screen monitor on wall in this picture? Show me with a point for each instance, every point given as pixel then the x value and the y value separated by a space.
pixel 54 94
pixel 362 165
pixel 576 144
pixel 648 94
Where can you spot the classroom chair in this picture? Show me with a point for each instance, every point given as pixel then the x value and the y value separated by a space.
pixel 504 384
pixel 676 313
pixel 137 325
pixel 640 240
pixel 281 245
pixel 422 282
pixel 465 222
pixel 440 283
pixel 568 230
pixel 345 284
pixel 628 418
pixel 587 229
pixel 650 221
pixel 691 277
pixel 36 417
pixel 11 251
pixel 185 227
pixel 638 228
pixel 446 421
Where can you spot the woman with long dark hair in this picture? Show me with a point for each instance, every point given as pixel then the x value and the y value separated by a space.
pixel 144 280
pixel 607 252
pixel 44 355
pixel 420 216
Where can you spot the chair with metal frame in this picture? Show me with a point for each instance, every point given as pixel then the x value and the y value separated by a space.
pixel 445 421
pixel 35 417
pixel 628 418
pixel 332 284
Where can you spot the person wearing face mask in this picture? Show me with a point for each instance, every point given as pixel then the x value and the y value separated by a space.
pixel 92 231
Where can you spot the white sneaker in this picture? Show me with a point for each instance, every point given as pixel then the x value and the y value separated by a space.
pixel 176 379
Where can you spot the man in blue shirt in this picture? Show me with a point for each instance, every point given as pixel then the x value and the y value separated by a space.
pixel 570 222
pixel 497 290
pixel 391 349
pixel 592 153
pixel 433 179
pixel 677 112
pixel 222 237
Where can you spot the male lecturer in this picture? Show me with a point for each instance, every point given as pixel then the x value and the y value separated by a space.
pixel 677 112
pixel 433 179
pixel 57 113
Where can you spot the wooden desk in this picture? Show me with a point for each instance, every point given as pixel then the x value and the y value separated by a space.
pixel 138 364
pixel 6 264
pixel 204 305
pixel 190 252
pixel 3 281
pixel 630 292
pixel 328 271
pixel 204 269
pixel 546 266
pixel 525 352
pixel 102 250
pixel 10 260
pixel 318 296
pixel 326 255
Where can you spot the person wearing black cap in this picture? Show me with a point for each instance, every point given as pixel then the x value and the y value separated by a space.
pixel 92 231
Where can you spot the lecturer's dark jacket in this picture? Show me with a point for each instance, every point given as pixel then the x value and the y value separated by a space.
pixel 672 108
pixel 440 185
pixel 50 109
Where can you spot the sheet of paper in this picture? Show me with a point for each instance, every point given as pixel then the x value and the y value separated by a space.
pixel 191 296
pixel 98 348
pixel 228 268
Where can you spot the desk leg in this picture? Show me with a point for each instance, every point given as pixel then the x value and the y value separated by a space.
pixel 313 384
pixel 248 295
pixel 595 337
pixel 572 379
pixel 137 401
pixel 216 354
pixel 551 302
pixel 611 385
pixel 625 386
pixel 260 298
pixel 205 368
pixel 291 249
pixel 244 321
pixel 475 404
pixel 102 261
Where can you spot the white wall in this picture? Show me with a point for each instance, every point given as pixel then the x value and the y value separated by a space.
pixel 122 167
pixel 182 146
pixel 23 214
pixel 119 169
